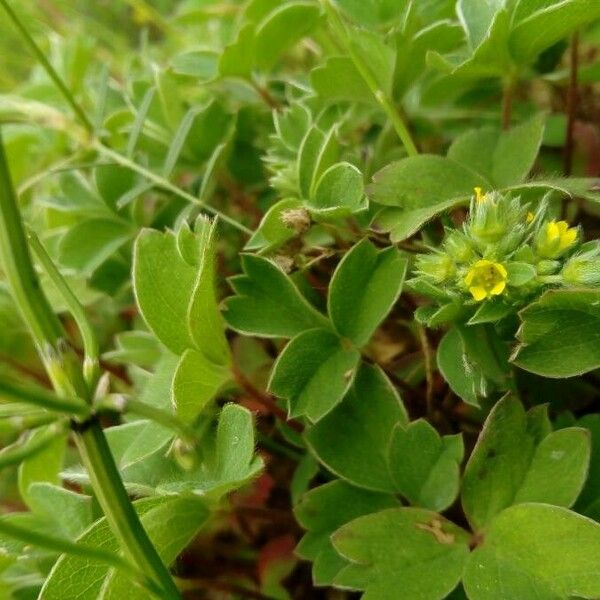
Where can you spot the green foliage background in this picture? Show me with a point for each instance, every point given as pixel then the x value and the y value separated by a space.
pixel 258 223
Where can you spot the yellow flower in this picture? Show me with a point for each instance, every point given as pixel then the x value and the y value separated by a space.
pixel 561 232
pixel 479 195
pixel 485 279
pixel 555 238
pixel 530 216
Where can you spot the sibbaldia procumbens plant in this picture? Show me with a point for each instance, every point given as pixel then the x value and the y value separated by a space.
pixel 299 300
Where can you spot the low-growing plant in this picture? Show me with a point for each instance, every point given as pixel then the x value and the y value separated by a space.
pixel 300 299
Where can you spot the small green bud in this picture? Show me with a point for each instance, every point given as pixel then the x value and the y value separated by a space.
pixel 547 267
pixel 583 269
pixel 438 267
pixel 458 246
pixel 493 216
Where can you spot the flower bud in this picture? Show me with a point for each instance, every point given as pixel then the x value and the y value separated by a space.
pixel 458 246
pixel 554 238
pixel 438 267
pixel 583 269
pixel 547 267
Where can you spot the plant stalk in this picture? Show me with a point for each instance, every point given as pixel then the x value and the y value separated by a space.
pixel 117 507
pixel 67 380
pixel 365 72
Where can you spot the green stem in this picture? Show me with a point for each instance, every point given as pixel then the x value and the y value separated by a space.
pixel 41 56
pixel 64 546
pixel 118 509
pixel 44 399
pixel 67 381
pixel 90 343
pixel 365 72
pixel 22 279
pixel 165 184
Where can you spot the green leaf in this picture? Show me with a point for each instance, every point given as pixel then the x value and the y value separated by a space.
pixel 400 549
pixel 423 186
pixel 171 523
pixel 201 64
pixel 520 273
pixel 412 47
pixel 133 442
pixel 197 381
pixel 261 293
pixel 317 152
pixel 235 443
pixel 378 57
pixel 559 332
pixel 536 551
pixel 313 373
pixel 363 289
pixel 325 509
pixel 338 80
pixel 205 322
pixel 164 283
pixel 489 59
pixel 175 290
pixel 44 466
pixel 490 312
pixel 140 348
pixel 71 512
pixel 113 182
pixel 338 192
pixel 514 461
pixel 237 58
pixel 589 499
pixel 516 152
pixel 554 21
pixel 352 441
pixel 371 12
pixel 90 243
pixel 505 158
pixel 281 29
pixel 77 197
pixel 464 377
pixel 179 140
pixel 476 18
pixel 272 231
pixel 425 465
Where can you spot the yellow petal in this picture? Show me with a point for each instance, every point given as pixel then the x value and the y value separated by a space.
pixel 469 277
pixel 500 268
pixel 483 263
pixel 498 288
pixel 478 293
pixel 552 230
pixel 569 237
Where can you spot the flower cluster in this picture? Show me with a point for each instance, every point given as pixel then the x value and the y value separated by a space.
pixel 506 253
